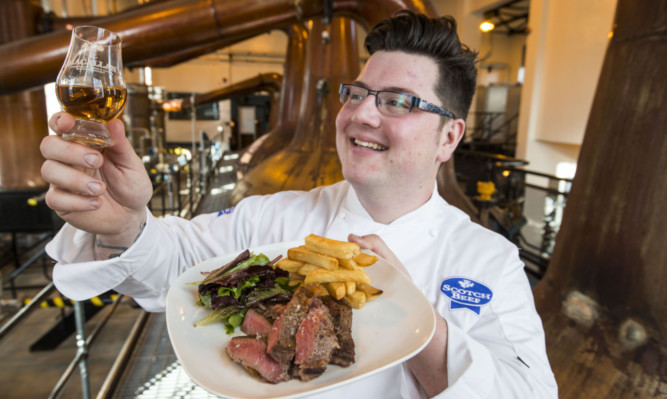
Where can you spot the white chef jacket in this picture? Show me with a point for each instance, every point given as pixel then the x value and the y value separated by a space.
pixel 471 275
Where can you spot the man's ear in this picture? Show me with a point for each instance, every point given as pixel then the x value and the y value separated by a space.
pixel 451 136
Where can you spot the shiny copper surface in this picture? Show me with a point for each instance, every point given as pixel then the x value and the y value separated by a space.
pixel 603 300
pixel 310 160
pixel 282 131
pixel 186 54
pixel 18 19
pixel 23 121
pixel 159 29
pixel 23 124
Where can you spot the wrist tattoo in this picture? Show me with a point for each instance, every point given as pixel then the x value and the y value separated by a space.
pixel 101 250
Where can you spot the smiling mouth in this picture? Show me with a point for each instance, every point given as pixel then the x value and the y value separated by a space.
pixel 370 146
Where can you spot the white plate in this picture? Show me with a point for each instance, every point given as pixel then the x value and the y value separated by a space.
pixel 386 331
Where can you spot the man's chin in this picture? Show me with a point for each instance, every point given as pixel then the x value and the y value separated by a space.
pixel 360 181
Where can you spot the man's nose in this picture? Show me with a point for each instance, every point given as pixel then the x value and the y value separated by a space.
pixel 367 111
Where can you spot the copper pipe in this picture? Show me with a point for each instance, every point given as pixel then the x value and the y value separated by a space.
pixel 175 58
pixel 603 298
pixel 159 29
pixel 67 24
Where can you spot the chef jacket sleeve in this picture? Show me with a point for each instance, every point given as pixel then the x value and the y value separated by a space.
pixel 502 354
pixel 145 271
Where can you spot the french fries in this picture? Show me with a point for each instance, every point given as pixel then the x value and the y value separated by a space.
pixel 289 265
pixel 349 264
pixel 370 291
pixel 307 268
pixel 331 267
pixel 327 246
pixel 307 255
pixel 350 287
pixel 333 276
pixel 336 290
pixel 356 300
pixel 365 260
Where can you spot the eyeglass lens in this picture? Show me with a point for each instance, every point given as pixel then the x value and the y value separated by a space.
pixel 386 101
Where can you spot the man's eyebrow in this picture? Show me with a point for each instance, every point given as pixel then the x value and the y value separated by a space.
pixel 394 89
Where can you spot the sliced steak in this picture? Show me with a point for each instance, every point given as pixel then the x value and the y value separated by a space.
pixel 342 319
pixel 255 323
pixel 315 340
pixel 250 353
pixel 271 312
pixel 281 341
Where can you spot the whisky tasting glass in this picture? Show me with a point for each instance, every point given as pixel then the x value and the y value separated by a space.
pixel 91 86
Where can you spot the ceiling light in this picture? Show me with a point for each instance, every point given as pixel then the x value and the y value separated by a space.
pixel 486 26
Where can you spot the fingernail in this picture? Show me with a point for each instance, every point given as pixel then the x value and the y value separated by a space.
pixel 95 203
pixel 91 159
pixel 94 187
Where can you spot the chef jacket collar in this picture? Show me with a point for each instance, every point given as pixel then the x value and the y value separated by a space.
pixel 353 206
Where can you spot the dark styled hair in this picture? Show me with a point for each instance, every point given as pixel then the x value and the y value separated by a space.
pixel 437 39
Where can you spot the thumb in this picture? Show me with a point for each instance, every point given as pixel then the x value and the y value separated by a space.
pixel 376 244
pixel 121 149
pixel 61 122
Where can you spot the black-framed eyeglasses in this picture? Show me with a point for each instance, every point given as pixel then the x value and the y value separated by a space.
pixel 388 102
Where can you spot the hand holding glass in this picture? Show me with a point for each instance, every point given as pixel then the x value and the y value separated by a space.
pixel 91 86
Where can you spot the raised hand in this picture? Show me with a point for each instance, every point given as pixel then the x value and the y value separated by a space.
pixel 100 192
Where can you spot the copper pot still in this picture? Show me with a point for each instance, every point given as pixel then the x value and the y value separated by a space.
pixel 23 120
pixel 310 160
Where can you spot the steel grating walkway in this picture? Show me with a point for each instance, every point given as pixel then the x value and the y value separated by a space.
pixel 153 370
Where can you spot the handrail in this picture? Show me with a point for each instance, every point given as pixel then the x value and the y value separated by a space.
pixel 25 265
pixel 25 311
pixel 82 353
pixel 484 131
pixel 120 363
pixel 546 189
pixel 541 174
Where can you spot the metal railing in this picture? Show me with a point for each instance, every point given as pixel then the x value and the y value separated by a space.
pixel 492 129
pixel 170 198
pixel 543 207
pixel 525 212
pixel 181 180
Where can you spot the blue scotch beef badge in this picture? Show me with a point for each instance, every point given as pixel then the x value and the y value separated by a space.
pixel 466 293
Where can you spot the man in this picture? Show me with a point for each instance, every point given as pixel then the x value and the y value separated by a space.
pixel 401 118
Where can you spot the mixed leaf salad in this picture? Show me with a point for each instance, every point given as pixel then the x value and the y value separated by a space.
pixel 250 280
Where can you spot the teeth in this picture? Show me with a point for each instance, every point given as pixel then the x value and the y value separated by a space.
pixel 366 144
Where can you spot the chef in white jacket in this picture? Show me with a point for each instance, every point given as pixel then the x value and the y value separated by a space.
pixel 401 118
